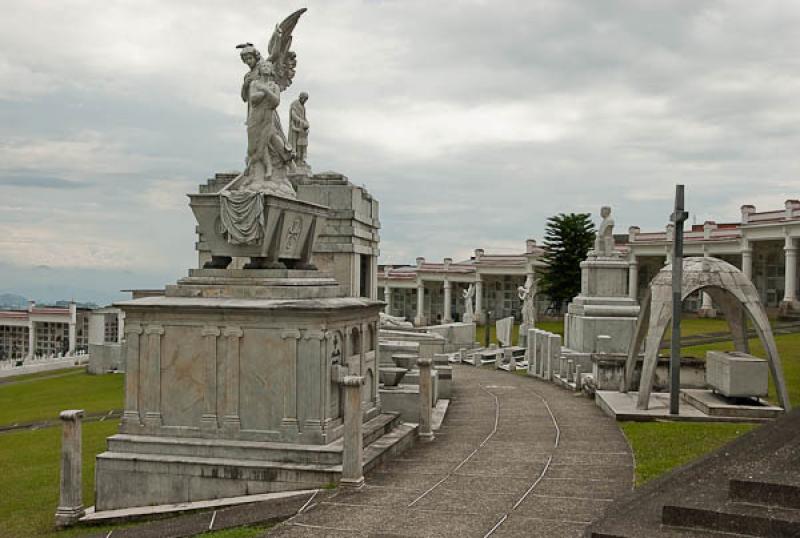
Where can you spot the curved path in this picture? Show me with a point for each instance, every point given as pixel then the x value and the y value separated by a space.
pixel 514 457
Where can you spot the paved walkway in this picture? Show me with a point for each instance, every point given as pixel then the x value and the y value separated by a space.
pixel 515 457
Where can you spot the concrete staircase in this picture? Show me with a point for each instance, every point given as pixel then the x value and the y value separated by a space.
pixel 749 487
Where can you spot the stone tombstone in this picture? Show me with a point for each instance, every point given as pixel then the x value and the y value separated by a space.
pixel 503 329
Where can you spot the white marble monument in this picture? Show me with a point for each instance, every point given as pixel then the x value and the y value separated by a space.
pixel 603 306
pixel 234 376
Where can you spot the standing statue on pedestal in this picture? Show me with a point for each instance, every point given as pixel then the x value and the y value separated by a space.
pixel 269 155
pixel 469 311
pixel 604 242
pixel 527 294
pixel 298 131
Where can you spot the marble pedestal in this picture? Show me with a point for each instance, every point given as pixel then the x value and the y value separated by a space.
pixel 602 308
pixel 232 386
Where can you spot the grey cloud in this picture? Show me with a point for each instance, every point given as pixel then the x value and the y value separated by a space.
pixel 39 182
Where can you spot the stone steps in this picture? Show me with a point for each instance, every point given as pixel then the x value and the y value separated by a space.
pixel 200 469
pixel 774 491
pixel 735 518
pixel 330 454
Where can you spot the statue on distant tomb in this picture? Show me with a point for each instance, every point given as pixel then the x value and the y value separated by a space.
pixel 268 152
pixel 469 311
pixel 298 129
pixel 527 294
pixel 604 241
pixel 394 322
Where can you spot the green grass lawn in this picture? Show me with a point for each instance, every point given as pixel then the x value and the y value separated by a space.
pixel 43 397
pixel 661 446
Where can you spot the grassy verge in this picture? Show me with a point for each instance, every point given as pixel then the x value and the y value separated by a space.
pixel 661 446
pixel 29 475
pixel 42 399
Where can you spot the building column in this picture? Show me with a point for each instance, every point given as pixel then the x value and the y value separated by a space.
pixel 120 326
pixel 790 285
pixel 131 416
pixel 387 297
pixel 633 279
pixel 479 315
pixel 31 339
pixel 747 259
pixel 447 314
pixel 73 321
pixel 419 320
pixel 230 420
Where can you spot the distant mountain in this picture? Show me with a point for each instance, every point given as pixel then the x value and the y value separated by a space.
pixel 13 301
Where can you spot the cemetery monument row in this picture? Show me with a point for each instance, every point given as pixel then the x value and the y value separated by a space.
pixel 234 375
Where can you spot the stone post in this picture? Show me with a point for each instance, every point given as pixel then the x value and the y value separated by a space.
pixel 633 279
pixel 353 449
pixel 70 504
pixel 425 398
pixel 790 284
pixel 512 362
pixel 419 320
pixel 447 316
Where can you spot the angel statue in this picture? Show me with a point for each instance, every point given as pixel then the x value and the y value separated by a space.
pixel 526 294
pixel 269 156
pixel 469 312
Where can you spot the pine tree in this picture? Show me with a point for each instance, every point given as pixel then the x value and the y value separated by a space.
pixel 568 239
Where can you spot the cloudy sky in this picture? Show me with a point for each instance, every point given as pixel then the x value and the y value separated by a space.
pixel 471 121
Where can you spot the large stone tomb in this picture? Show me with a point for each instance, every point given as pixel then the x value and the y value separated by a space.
pixel 232 383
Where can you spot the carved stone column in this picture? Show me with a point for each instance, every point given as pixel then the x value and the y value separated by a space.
pixel 353 451
pixel 289 420
pixel 70 504
pixel 133 337
pixel 425 399
pixel 208 421
pixel 152 386
pixel 311 365
pixel 231 423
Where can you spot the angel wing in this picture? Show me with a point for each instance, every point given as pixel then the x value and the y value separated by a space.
pixel 284 60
